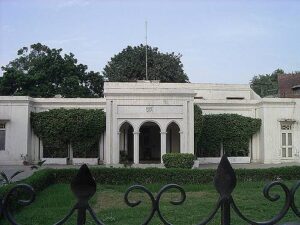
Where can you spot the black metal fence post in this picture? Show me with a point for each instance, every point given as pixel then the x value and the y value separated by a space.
pixel 225 212
pixel 81 217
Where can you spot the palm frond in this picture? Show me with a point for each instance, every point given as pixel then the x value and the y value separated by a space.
pixel 4 177
pixel 16 173
pixel 40 163
pixel 34 167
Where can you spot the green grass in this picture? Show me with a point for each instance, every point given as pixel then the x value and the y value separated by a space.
pixel 54 202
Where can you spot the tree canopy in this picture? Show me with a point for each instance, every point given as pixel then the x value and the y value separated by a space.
pixel 130 63
pixel 39 71
pixel 266 84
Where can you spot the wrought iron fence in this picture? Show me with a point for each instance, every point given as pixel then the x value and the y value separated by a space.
pixel 83 186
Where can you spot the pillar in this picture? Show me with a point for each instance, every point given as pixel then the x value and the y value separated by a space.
pixel 182 150
pixel 41 150
pixel 116 153
pixel 163 144
pixel 70 155
pixel 136 147
pixel 126 140
pixel 34 154
pixel 101 148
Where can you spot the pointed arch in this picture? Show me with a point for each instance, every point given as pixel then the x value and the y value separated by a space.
pixel 173 137
pixel 126 144
pixel 150 142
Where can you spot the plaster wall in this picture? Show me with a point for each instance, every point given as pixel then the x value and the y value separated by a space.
pixel 14 112
pixel 161 103
pixel 138 103
pixel 274 111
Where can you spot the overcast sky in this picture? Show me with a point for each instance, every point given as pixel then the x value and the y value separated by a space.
pixel 221 41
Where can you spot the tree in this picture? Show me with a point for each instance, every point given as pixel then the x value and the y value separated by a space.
pixel 267 84
pixel 39 71
pixel 130 64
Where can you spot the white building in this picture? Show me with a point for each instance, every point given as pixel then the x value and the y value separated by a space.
pixel 147 119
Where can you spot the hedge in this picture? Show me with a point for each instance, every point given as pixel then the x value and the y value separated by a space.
pixel 45 177
pixel 128 176
pixel 198 125
pixel 57 128
pixel 232 130
pixel 40 180
pixel 178 160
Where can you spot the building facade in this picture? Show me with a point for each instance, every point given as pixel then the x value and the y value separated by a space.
pixel 148 119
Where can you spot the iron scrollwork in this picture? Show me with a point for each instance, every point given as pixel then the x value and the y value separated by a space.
pixel 83 187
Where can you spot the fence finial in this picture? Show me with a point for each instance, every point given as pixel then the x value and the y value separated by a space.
pixel 225 179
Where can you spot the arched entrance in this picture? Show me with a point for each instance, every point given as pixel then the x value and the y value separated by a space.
pixel 150 145
pixel 126 143
pixel 173 138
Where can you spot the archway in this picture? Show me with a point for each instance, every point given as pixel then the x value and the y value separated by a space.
pixel 126 143
pixel 150 145
pixel 173 138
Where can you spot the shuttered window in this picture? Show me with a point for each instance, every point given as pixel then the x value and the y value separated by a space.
pixel 2 137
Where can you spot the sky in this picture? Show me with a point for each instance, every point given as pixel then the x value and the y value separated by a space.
pixel 220 41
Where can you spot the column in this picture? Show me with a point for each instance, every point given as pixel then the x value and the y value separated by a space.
pixel 163 144
pixel 182 150
pixel 34 154
pixel 126 140
pixel 101 148
pixel 136 147
pixel 70 161
pixel 116 154
pixel 41 149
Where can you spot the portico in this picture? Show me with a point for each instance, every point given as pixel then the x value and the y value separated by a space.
pixel 146 121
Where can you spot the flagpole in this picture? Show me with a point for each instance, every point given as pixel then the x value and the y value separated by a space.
pixel 146 51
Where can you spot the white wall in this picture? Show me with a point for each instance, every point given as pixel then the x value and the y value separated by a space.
pixel 19 136
pixel 137 103
pixel 273 111
pixel 15 110
pixel 169 102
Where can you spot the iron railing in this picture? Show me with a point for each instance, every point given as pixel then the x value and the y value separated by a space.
pixel 83 186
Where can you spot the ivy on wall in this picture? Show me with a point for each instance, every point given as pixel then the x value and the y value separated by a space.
pixel 80 127
pixel 233 131
pixel 198 124
pixel 57 128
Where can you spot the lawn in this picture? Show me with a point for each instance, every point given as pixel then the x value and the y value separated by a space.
pixel 55 201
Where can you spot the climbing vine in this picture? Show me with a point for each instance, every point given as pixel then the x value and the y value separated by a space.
pixel 60 127
pixel 198 124
pixel 230 130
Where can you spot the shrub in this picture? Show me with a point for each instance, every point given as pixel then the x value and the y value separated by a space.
pixel 40 180
pixel 232 130
pixel 198 124
pixel 59 127
pixel 129 176
pixel 178 160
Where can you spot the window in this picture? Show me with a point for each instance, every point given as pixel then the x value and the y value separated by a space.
pixel 235 98
pixel 286 140
pixel 2 136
